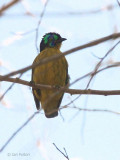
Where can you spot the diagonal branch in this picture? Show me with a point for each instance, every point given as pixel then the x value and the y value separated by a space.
pixel 118 3
pixel 92 110
pixel 64 154
pixel 9 88
pixel 34 114
pixel 10 4
pixel 46 60
pixel 100 62
pixel 18 130
pixel 39 22
pixel 64 89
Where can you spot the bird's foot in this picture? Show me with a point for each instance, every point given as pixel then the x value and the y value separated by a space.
pixel 57 87
pixel 32 83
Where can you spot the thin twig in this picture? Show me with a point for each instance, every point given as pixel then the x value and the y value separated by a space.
pixel 8 89
pixel 100 62
pixel 91 110
pixel 70 13
pixel 8 5
pixel 92 76
pixel 118 3
pixel 39 22
pixel 96 68
pixel 18 130
pixel 31 117
pixel 117 64
pixel 46 60
pixel 64 154
pixel 95 56
pixel 64 89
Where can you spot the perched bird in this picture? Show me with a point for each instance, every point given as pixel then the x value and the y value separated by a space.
pixel 54 73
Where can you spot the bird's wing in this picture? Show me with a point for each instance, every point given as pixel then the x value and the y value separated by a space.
pixel 37 102
pixel 67 76
pixel 66 83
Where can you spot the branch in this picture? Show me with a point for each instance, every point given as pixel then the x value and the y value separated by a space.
pixel 116 64
pixel 10 4
pixel 100 62
pixel 18 130
pixel 92 110
pixel 64 154
pixel 118 3
pixel 39 22
pixel 46 60
pixel 108 7
pixel 33 115
pixel 9 88
pixel 64 89
pixel 93 73
pixel 16 80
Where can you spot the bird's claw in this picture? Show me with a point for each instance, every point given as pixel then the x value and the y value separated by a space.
pixel 57 87
pixel 32 83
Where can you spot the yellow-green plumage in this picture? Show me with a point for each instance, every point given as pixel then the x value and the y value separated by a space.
pixel 52 73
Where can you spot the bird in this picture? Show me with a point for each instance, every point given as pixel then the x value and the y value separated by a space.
pixel 54 73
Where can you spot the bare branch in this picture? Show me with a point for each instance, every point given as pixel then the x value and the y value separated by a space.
pixel 93 73
pixel 91 110
pixel 64 89
pixel 117 64
pixel 64 154
pixel 18 130
pixel 9 88
pixel 2 96
pixel 100 62
pixel 32 116
pixel 71 13
pixel 39 22
pixel 46 60
pixel 118 3
pixel 10 4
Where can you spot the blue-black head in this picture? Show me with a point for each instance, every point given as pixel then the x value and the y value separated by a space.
pixel 51 40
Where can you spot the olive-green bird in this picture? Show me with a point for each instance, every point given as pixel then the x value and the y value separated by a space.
pixel 52 73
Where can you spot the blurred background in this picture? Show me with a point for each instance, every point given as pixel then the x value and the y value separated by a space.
pixel 85 135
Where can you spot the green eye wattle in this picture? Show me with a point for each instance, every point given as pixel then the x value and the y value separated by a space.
pixel 55 37
pixel 46 39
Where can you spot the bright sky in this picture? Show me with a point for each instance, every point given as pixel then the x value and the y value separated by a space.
pixel 85 135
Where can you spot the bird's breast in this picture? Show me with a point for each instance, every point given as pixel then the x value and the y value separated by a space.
pixel 51 73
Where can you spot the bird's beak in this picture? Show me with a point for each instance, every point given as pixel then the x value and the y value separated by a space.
pixel 61 40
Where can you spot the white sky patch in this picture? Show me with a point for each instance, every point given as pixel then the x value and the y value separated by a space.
pixel 12 39
pixel 26 5
pixel 76 159
pixel 27 8
pixel 43 1
pixel 43 150
pixel 6 65
pixel 6 103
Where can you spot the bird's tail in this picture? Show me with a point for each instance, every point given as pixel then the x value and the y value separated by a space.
pixel 51 115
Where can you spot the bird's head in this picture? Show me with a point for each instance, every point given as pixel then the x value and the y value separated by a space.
pixel 51 40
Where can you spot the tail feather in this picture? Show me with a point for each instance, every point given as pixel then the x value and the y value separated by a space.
pixel 51 115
